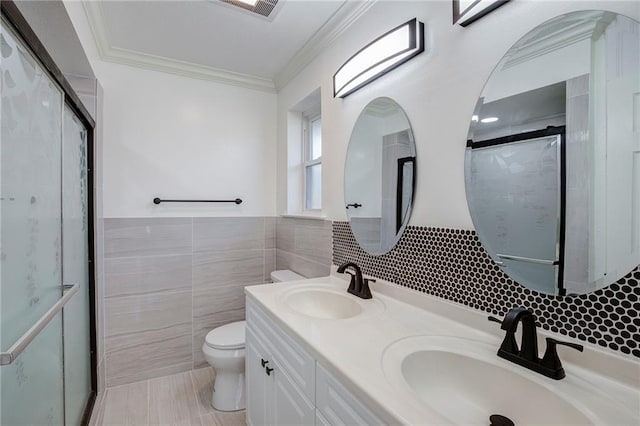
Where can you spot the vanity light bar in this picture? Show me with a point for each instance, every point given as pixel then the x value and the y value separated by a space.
pixel 379 57
pixel 466 12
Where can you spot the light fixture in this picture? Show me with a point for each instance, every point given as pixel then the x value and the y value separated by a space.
pixel 489 120
pixel 379 57
pixel 467 11
pixel 474 118
pixel 262 8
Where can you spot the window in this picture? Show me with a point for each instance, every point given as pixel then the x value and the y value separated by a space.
pixel 312 162
pixel 304 157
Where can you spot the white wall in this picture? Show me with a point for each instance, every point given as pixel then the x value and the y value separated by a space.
pixel 170 136
pixel 177 137
pixel 438 90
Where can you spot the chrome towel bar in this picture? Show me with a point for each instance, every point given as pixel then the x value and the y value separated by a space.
pixel 12 353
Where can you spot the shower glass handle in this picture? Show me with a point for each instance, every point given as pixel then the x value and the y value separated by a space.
pixel 16 349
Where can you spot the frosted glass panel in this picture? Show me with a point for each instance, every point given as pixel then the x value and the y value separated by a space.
pixel 514 194
pixel 30 239
pixel 77 356
pixel 32 387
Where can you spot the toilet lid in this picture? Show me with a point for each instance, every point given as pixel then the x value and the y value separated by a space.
pixel 229 336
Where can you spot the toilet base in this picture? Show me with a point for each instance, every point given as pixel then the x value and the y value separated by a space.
pixel 228 391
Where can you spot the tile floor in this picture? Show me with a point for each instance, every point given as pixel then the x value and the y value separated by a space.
pixel 180 399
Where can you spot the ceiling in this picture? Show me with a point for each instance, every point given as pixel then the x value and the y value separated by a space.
pixel 215 39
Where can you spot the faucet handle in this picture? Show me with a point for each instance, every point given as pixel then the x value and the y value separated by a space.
pixel 575 346
pixel 509 343
pixel 494 319
pixel 551 360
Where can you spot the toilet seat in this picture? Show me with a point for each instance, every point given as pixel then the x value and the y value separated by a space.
pixel 229 336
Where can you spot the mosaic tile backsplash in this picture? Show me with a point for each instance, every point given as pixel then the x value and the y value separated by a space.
pixel 452 264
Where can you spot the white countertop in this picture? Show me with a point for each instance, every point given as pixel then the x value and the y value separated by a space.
pixel 355 349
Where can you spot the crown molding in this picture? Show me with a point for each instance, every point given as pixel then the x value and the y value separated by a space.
pixel 339 22
pixel 95 16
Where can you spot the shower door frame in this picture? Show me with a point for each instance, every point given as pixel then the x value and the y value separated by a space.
pixel 21 27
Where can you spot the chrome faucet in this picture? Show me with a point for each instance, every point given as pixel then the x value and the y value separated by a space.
pixel 358 286
pixel 549 365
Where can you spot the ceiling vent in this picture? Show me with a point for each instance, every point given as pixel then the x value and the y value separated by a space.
pixel 264 8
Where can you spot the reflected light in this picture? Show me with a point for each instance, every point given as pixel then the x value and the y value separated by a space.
pixel 489 120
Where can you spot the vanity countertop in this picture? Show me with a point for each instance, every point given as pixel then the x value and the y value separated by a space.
pixel 358 351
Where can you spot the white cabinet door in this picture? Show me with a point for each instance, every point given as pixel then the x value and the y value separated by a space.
pixel 290 407
pixel 337 405
pixel 276 384
pixel 295 390
pixel 258 382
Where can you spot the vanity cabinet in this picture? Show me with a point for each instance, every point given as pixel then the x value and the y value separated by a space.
pixel 286 386
pixel 280 385
pixel 337 406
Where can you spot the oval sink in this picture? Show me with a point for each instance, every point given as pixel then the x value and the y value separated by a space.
pixel 465 382
pixel 320 303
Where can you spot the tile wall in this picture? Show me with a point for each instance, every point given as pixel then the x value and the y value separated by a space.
pixel 304 246
pixel 169 281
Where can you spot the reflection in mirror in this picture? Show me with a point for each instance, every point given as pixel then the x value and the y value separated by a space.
pixel 552 167
pixel 379 176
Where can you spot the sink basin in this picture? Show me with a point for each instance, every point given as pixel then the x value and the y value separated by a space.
pixel 465 382
pixel 328 302
pixel 319 303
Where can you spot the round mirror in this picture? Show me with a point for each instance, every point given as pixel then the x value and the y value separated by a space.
pixel 379 176
pixel 552 167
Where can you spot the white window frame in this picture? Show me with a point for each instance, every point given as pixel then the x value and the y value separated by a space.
pixel 306 155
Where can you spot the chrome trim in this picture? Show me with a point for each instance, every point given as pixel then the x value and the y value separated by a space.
pixel 527 259
pixel 12 353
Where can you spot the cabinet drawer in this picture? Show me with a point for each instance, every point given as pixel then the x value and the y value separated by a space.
pixel 293 360
pixel 337 405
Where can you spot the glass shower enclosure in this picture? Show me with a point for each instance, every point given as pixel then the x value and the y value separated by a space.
pixel 47 374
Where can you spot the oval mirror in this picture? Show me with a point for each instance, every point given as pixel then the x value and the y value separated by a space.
pixel 552 167
pixel 379 176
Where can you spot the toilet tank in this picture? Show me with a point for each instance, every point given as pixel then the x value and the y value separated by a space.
pixel 285 275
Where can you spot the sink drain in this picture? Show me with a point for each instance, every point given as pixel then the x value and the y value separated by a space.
pixel 498 420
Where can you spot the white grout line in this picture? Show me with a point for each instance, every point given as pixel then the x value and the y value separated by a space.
pixel 148 402
pixel 193 361
pixel 264 253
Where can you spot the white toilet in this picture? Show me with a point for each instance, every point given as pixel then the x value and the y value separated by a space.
pixel 223 349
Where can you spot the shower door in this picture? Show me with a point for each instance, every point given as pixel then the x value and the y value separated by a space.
pixel 75 268
pixel 45 309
